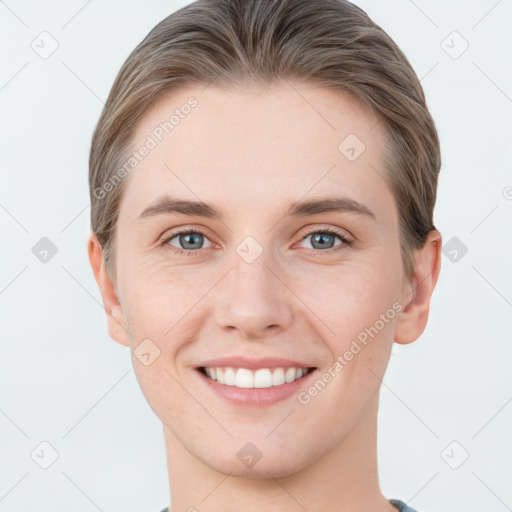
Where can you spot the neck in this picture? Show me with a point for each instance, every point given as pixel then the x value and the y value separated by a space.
pixel 345 479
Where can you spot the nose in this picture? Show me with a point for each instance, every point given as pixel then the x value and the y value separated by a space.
pixel 254 299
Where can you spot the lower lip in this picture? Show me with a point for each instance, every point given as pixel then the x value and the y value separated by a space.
pixel 256 397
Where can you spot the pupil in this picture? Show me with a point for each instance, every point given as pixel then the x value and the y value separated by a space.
pixel 320 238
pixel 192 236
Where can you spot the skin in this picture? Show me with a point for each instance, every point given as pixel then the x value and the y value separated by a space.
pixel 250 154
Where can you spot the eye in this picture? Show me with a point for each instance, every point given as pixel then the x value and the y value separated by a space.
pixel 323 240
pixel 188 241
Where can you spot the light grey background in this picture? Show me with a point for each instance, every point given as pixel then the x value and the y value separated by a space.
pixel 65 382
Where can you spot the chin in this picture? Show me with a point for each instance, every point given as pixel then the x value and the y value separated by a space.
pixel 250 462
pixel 261 470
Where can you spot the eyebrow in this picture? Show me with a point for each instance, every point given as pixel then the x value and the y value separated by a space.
pixel 169 205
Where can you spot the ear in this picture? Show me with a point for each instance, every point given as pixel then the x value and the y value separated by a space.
pixel 412 320
pixel 115 318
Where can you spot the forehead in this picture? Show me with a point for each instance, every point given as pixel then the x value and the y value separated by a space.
pixel 275 144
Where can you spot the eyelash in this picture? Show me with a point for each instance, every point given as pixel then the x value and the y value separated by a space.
pixel 327 230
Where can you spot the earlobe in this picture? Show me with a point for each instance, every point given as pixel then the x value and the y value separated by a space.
pixel 412 320
pixel 115 317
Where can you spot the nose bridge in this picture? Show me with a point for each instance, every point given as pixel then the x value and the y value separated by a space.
pixel 252 299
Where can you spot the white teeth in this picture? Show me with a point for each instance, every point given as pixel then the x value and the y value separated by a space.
pixel 278 377
pixel 244 378
pixel 261 378
pixel 290 375
pixel 229 377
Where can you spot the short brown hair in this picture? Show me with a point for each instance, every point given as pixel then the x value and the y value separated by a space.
pixel 238 43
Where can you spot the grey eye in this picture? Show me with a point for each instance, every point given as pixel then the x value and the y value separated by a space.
pixel 322 239
pixel 188 240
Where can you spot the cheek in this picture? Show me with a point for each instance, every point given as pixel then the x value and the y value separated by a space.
pixel 157 296
pixel 357 324
pixel 367 311
pixel 350 299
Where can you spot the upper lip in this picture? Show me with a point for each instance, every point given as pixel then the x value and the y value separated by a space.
pixel 254 364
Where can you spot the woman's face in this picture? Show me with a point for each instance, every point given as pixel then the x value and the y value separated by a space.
pixel 260 278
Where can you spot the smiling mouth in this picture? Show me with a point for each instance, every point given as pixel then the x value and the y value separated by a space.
pixel 260 378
